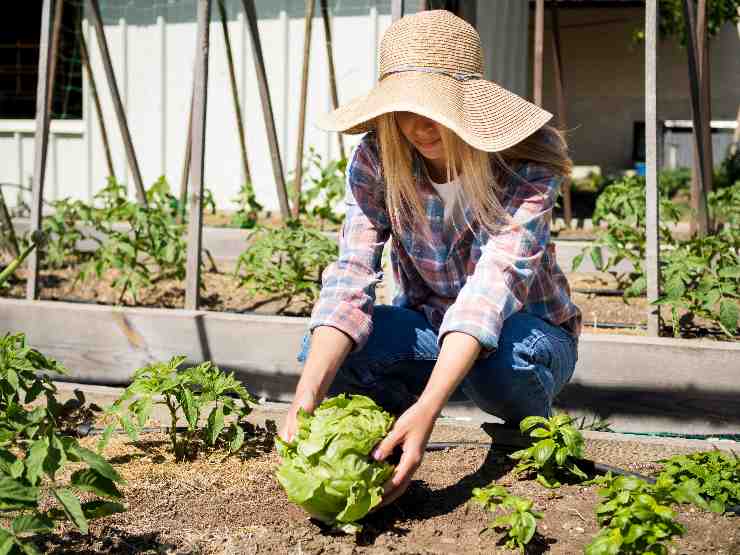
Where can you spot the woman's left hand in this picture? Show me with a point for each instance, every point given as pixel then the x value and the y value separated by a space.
pixel 411 431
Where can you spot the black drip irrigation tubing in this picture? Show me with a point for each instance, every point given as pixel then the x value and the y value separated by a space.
pixel 614 325
pixel 599 292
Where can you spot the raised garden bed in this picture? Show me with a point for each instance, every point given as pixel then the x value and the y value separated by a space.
pixel 221 504
pixel 641 383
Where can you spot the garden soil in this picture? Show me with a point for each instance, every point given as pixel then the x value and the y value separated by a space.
pixel 233 504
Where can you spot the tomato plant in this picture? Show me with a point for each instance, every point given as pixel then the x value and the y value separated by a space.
pixel 520 522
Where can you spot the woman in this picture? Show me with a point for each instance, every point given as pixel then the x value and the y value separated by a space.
pixel 461 175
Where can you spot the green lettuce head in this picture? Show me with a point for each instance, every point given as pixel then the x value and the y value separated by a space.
pixel 327 468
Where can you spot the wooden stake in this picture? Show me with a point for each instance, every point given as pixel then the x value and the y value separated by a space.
pixel 198 140
pixel 41 138
pixel 539 39
pixel 54 52
pixel 698 193
pixel 560 97
pixel 397 9
pixel 133 164
pixel 85 59
pixel 332 69
pixel 235 93
pixel 185 175
pixel 298 173
pixel 8 240
pixel 702 55
pixel 259 63
pixel 652 200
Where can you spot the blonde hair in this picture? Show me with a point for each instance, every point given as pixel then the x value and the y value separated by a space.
pixel 482 174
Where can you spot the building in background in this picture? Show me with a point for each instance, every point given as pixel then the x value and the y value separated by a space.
pixel 152 45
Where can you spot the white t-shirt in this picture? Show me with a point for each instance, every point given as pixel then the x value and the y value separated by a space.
pixel 450 194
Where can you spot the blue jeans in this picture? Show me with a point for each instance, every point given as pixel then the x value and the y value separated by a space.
pixel 534 360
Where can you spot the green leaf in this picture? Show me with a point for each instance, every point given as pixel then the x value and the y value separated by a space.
pixel 101 509
pixel 32 523
pixel 597 258
pixel 28 547
pixel 72 508
pixel 728 315
pixel 35 460
pixel 13 490
pixel 577 261
pixel 238 439
pixel 215 424
pixel 90 480
pixel 543 450
pixel 7 541
pixel 97 463
pixel 530 422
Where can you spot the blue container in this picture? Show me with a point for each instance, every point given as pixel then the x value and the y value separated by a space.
pixel 641 168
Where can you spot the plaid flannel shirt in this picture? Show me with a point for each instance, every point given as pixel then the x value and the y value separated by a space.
pixel 462 277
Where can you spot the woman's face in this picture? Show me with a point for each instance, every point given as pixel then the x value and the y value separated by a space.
pixel 424 134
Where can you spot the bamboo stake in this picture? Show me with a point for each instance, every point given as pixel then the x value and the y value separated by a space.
pixel 133 164
pixel 332 69
pixel 699 201
pixel 41 138
pixel 185 175
pixel 53 54
pixel 298 173
pixel 702 51
pixel 198 140
pixel 562 107
pixel 7 231
pixel 539 39
pixel 652 216
pixel 235 93
pixel 267 114
pixel 85 59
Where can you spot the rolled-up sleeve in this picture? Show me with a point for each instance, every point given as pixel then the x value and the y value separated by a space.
pixel 348 285
pixel 509 261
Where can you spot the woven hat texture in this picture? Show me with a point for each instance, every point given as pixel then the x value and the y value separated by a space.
pixel 431 64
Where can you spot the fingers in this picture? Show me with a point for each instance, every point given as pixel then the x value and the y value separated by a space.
pixel 394 488
pixel 386 446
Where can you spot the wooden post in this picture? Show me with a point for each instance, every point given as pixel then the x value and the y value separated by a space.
pixel 298 173
pixel 557 56
pixel 185 175
pixel 41 139
pixel 539 39
pixel 198 140
pixel 235 92
pixel 702 56
pixel 54 52
pixel 652 199
pixel 698 193
pixel 277 165
pixel 332 69
pixel 397 9
pixel 85 59
pixel 133 164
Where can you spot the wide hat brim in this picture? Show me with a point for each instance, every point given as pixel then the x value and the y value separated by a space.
pixel 482 113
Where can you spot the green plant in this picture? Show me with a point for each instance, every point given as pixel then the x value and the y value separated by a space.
pixel 325 191
pixel 520 522
pixel 286 261
pixel 327 468
pixel 37 238
pixel 152 248
pixel 33 454
pixel 671 20
pixel 61 228
pixel 621 205
pixel 553 457
pixel 716 473
pixel 702 276
pixel 187 393
pixel 248 208
pixel 637 516
pixel 724 204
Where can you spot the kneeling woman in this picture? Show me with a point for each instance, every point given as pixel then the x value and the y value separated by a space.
pixel 461 176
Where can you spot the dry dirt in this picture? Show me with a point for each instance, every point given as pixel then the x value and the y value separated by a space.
pixel 219 504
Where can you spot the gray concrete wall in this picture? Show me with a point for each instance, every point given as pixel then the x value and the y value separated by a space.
pixel 604 80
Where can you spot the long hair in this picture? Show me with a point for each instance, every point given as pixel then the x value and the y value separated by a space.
pixel 481 174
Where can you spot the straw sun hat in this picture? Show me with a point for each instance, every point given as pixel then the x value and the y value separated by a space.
pixel 431 64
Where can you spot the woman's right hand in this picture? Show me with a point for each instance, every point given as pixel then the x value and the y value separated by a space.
pixel 305 401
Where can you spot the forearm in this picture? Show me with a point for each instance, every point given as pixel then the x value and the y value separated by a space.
pixel 457 356
pixel 329 348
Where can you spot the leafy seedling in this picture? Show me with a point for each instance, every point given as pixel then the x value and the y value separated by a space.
pixel 520 522
pixel 186 393
pixel 716 473
pixel 637 517
pixel 553 456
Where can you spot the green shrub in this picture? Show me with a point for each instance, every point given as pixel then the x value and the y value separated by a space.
pixel 520 523
pixel 248 208
pixel 187 393
pixel 554 456
pixel 324 192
